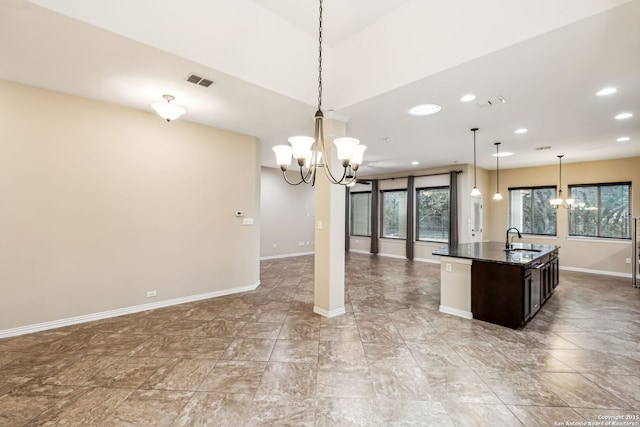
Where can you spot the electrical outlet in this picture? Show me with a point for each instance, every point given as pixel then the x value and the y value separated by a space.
pixel 448 267
pixel 151 294
pixel 300 243
pixel 628 261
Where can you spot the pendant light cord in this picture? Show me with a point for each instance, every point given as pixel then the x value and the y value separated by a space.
pixel 497 168
pixel 560 177
pixel 475 181
pixel 320 59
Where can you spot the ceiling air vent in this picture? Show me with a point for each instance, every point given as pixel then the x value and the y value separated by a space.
pixel 496 100
pixel 544 147
pixel 197 80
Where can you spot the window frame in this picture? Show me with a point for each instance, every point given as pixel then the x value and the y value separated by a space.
pixel 351 212
pixel 532 189
pixel 417 213
pixel 382 217
pixel 598 210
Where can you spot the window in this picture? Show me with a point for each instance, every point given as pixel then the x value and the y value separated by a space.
pixel 530 210
pixel 394 214
pixel 600 210
pixel 432 213
pixel 361 214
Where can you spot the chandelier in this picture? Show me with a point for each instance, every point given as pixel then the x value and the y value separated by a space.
pixel 565 203
pixel 311 153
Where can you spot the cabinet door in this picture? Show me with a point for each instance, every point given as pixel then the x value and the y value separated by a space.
pixel 555 279
pixel 527 296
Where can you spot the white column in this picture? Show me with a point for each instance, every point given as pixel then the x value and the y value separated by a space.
pixel 329 233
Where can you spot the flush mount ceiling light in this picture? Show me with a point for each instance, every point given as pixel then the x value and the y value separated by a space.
pixel 623 139
pixel 497 196
pixel 424 109
pixel 606 91
pixel 309 152
pixel 415 163
pixel 560 201
pixel 623 116
pixel 167 110
pixel 521 131
pixel 468 97
pixel 475 192
pixel 502 154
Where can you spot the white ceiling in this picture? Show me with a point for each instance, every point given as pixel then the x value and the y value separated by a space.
pixel 546 58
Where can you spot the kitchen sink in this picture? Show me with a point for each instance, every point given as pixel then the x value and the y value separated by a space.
pixel 523 250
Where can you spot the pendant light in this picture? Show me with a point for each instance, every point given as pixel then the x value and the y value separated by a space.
pixel 556 203
pixel 167 110
pixel 310 152
pixel 475 192
pixel 497 196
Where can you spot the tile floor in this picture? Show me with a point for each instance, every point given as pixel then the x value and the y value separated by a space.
pixel 263 358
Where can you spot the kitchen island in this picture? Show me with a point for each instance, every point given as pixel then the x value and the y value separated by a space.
pixel 485 281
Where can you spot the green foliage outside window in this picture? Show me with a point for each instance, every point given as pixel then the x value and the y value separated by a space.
pixel 433 214
pixel 530 210
pixel 394 214
pixel 600 210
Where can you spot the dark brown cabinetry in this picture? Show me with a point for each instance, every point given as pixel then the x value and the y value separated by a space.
pixel 510 294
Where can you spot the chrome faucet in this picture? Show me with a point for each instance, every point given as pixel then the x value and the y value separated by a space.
pixel 506 244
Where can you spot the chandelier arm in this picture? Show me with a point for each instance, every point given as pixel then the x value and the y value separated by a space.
pixel 327 165
pixel 305 178
pixel 284 175
pixel 310 175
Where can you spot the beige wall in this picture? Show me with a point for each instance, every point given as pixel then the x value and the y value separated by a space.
pixel 101 204
pixel 596 255
pixel 287 216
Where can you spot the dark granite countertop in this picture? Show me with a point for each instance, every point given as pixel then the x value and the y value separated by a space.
pixel 521 254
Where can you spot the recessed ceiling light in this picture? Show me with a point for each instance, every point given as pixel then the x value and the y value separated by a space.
pixel 415 163
pixel 468 97
pixel 386 139
pixel 521 130
pixel 424 109
pixel 623 116
pixel 623 139
pixel 503 154
pixel 606 91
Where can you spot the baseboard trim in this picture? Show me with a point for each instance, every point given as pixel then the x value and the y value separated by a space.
pixel 393 256
pixel 328 313
pixel 38 327
pixel 359 251
pixel 601 272
pixel 264 258
pixel 456 312
pixel 428 260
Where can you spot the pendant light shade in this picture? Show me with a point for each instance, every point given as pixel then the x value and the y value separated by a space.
pixel 497 196
pixel 475 192
pixel 167 110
